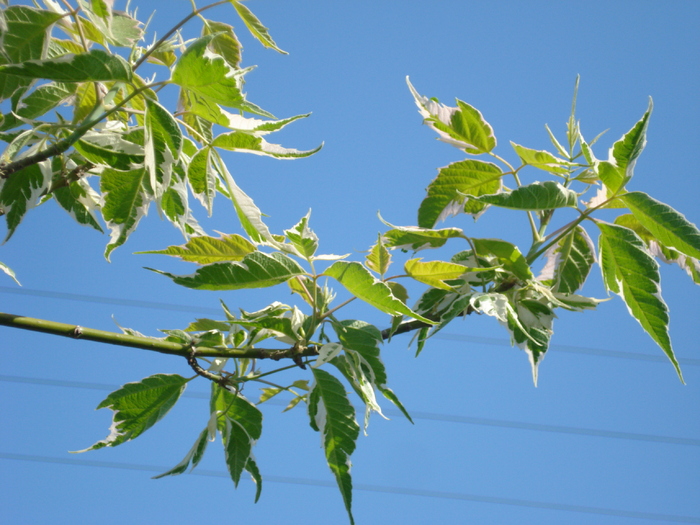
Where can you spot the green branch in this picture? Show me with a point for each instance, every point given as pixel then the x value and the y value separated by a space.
pixel 147 343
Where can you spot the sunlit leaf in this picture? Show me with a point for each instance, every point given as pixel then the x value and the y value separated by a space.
pixel 90 66
pixel 536 196
pixel 507 254
pixel 333 415
pixel 255 27
pixel 20 193
pixel 255 270
pixel 434 273
pixel 362 284
pixel 463 127
pixel 8 271
pixel 249 143
pixel 569 262
pixel 631 272
pixel 192 457
pixel 206 250
pixel 541 159
pixel 670 227
pixel 446 193
pixel 378 259
pixel 138 406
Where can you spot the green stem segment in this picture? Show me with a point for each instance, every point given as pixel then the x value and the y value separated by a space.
pixel 146 343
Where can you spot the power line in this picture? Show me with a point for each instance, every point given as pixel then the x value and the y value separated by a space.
pixel 428 416
pixel 637 356
pixel 404 491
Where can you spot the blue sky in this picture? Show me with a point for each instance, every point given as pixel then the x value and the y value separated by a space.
pixel 609 436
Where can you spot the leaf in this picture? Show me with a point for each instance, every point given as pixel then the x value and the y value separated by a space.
pixel 21 191
pixel 255 270
pixel 8 271
pixel 240 424
pixel 360 282
pixel 248 143
pixel 303 238
pixel 42 99
pixel 446 193
pixel 104 148
pixel 415 238
pixel 463 127
pixel 162 146
pixel 80 201
pixel 194 456
pixel 569 262
pixel 631 272
pixel 126 202
pixel 507 254
pixel 625 151
pixel 202 178
pixel 541 159
pixel 255 27
pixel 91 66
pixel 670 227
pixel 224 43
pixel 536 196
pixel 206 250
pixel 209 76
pixel 332 414
pixel 139 406
pixel 378 259
pixel 434 273
pixel 24 34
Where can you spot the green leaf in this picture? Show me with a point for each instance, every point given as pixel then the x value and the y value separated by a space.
pixel 208 76
pixel 255 270
pixel 248 143
pixel 240 424
pixel 378 259
pixel 224 43
pixel 202 178
pixel 507 254
pixel 434 273
pixel 569 262
pixel 42 99
pixel 80 201
pixel 91 66
pixel 303 238
pixel 8 271
pixel 333 415
pixel 139 406
pixel 193 457
pixel 631 272
pixel 163 143
pixel 206 250
pixel 126 202
pixel 446 193
pixel 21 191
pixel 625 151
pixel 536 196
pixel 541 159
pixel 110 149
pixel 24 34
pixel 414 238
pixel 255 27
pixel 463 127
pixel 670 227
pixel 360 282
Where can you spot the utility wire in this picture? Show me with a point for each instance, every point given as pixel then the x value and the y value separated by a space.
pixel 428 416
pixel 404 491
pixel 637 356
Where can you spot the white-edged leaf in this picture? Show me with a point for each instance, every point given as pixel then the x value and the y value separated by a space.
pixel 333 415
pixel 569 261
pixel 537 196
pixel 630 271
pixel 192 457
pixel 138 406
pixel 206 250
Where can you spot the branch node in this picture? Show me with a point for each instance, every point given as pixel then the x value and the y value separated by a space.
pixel 192 361
pixel 77 332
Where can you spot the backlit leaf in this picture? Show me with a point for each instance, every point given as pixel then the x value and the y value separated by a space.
pixel 255 27
pixel 206 250
pixel 536 196
pixel 569 262
pixel 91 66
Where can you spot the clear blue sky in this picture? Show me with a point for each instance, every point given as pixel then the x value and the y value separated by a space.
pixel 487 446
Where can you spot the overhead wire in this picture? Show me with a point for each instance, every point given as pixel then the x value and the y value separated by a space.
pixel 404 491
pixel 428 416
